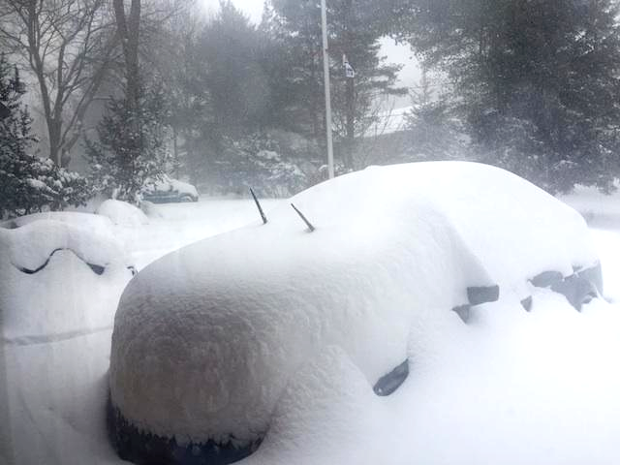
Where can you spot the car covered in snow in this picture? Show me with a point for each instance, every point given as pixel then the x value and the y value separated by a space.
pixel 39 254
pixel 229 340
pixel 169 190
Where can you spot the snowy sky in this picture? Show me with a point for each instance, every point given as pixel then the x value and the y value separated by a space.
pixel 409 75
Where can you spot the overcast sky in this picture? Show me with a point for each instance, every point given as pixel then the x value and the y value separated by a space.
pixel 409 76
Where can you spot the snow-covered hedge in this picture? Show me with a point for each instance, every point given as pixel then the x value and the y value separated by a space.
pixel 207 338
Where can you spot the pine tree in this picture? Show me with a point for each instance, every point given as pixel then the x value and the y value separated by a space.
pixel 537 80
pixel 240 96
pixel 131 148
pixel 433 131
pixel 29 183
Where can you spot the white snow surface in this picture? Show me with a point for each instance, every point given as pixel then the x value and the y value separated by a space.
pixel 122 213
pixel 96 223
pixel 510 387
pixel 208 338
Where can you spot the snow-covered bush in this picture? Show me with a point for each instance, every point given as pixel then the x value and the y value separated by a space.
pixel 208 338
pixel 29 183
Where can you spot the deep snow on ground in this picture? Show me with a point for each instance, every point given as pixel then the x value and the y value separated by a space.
pixel 465 404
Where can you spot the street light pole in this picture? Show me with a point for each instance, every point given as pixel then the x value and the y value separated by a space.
pixel 328 99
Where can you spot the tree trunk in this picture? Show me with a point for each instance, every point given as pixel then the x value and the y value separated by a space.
pixel 129 32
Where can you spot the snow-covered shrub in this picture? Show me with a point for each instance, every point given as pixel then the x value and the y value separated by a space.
pixel 130 148
pixel 29 183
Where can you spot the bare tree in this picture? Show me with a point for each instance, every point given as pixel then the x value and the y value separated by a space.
pixel 68 45
pixel 128 27
pixel 143 20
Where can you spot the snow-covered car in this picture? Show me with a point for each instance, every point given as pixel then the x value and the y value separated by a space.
pixel 39 254
pixel 61 277
pixel 233 338
pixel 169 190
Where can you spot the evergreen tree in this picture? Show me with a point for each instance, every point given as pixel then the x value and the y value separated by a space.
pixel 239 96
pixel 131 147
pixel 433 130
pixel 355 27
pixel 240 91
pixel 29 183
pixel 537 79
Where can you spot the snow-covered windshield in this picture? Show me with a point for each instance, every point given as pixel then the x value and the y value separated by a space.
pixel 295 232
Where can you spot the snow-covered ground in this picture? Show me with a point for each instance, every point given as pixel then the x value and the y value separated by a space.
pixel 513 388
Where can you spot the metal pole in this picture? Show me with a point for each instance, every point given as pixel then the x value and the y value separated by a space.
pixel 328 99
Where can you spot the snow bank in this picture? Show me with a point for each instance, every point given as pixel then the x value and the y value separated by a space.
pixel 207 338
pixel 122 213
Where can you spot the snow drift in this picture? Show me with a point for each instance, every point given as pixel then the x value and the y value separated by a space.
pixel 207 338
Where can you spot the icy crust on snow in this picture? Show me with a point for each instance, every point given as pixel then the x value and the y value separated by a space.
pixel 122 213
pixel 47 289
pixel 207 338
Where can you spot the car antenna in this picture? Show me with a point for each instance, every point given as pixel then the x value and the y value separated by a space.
pixel 260 209
pixel 301 215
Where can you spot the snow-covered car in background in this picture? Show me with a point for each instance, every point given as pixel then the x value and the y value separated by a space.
pixel 252 335
pixel 169 190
